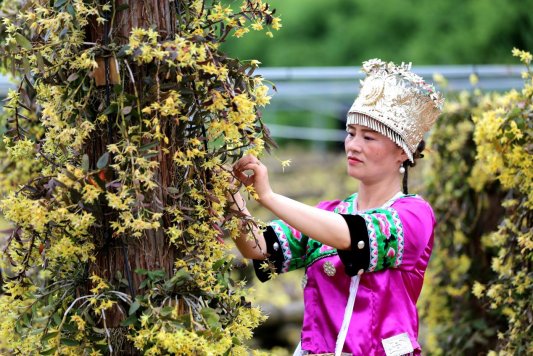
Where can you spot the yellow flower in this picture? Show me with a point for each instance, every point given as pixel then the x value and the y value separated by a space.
pixel 525 56
pixel 285 163
pixel 241 32
pixel 478 289
pixel 91 193
pixel 473 79
pixel 276 23
pixel 79 322
pixel 100 284
pixel 257 26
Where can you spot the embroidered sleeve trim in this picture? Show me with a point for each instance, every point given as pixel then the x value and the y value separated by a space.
pixel 386 238
pixel 284 244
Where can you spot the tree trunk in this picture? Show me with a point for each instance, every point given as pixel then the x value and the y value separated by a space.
pixel 153 251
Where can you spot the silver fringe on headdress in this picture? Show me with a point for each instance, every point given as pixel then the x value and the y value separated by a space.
pixel 364 120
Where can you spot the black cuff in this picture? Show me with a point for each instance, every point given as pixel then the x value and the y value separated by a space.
pixel 357 258
pixel 275 254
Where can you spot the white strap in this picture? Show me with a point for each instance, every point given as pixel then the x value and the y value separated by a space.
pixel 348 311
pixel 298 351
pixel 341 338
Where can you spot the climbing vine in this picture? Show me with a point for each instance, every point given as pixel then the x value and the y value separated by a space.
pixel 114 152
pixel 478 296
pixel 504 139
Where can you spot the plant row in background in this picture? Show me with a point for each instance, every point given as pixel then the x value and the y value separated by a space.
pixel 478 296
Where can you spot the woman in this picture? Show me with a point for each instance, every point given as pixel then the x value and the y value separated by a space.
pixel 365 255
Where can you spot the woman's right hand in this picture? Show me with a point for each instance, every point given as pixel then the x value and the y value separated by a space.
pixel 258 179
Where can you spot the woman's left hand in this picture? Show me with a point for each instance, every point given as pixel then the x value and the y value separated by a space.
pixel 259 177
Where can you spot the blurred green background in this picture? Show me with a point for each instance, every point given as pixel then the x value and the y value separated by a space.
pixel 346 32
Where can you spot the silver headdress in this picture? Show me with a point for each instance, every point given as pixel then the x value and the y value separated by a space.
pixel 396 103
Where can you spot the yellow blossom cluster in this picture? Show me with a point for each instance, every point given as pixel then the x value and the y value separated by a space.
pixel 92 170
pixel 506 132
pixel 63 121
pixel 17 154
pixel 485 138
pixel 49 27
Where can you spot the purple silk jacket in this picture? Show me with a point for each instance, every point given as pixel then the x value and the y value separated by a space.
pixel 391 244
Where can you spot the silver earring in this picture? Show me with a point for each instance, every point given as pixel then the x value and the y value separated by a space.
pixel 402 170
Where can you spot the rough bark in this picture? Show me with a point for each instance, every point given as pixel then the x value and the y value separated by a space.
pixel 122 253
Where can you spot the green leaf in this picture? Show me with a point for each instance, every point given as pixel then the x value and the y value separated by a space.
pixel 178 279
pixel 129 320
pixel 19 327
pixel 34 310
pixel 26 65
pixel 70 327
pixel 111 109
pixel 211 317
pixel 49 336
pixel 23 41
pixel 173 190
pixel 150 155
pixel 219 263
pixel 148 146
pixel 40 320
pixel 166 311
pixel 88 318
pixel 63 32
pixel 51 351
pixel 134 307
pixel 141 271
pixel 72 77
pixel 144 283
pixel 156 275
pixel 69 342
pixel 85 163
pixel 71 10
pixel 117 89
pixel 48 308
pixel 122 52
pixel 100 331
pixel 40 61
pixel 59 3
pixel 36 331
pixel 102 161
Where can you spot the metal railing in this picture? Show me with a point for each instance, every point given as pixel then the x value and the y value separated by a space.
pixel 324 94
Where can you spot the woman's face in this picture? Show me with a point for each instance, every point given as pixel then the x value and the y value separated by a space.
pixel 371 156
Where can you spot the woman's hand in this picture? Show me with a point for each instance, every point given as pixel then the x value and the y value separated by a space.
pixel 258 179
pixel 324 226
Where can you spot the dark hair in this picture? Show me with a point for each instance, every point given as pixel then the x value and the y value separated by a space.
pixel 407 163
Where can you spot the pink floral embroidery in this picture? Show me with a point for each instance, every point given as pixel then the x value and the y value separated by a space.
pixel 391 252
pixel 342 208
pixel 384 224
pixel 325 248
pixel 373 243
pixel 399 228
pixel 284 246
pixel 297 234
